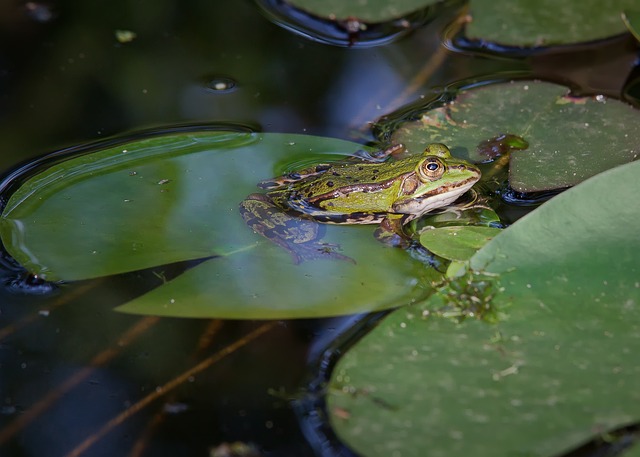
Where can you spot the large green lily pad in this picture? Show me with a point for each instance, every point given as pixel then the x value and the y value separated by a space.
pixel 570 138
pixel 558 368
pixel 524 23
pixel 157 199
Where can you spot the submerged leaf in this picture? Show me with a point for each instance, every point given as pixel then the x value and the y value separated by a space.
pixel 569 138
pixel 559 367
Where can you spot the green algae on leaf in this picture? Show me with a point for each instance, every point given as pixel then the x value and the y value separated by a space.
pixel 557 368
pixel 523 23
pixel 569 138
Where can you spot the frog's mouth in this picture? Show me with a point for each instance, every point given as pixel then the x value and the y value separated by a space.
pixel 431 199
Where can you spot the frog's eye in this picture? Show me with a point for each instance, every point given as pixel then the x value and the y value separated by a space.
pixel 430 169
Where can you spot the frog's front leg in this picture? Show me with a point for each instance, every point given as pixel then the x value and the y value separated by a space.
pixel 391 231
pixel 301 237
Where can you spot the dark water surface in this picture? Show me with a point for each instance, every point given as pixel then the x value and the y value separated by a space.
pixel 70 366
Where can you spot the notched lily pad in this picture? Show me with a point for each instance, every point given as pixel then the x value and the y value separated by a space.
pixel 569 138
pixel 160 198
pixel 527 24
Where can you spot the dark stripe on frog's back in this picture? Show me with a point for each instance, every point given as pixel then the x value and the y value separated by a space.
pixel 363 177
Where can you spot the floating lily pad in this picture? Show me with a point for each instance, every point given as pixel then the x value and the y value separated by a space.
pixel 366 11
pixel 560 366
pixel 361 23
pixel 156 199
pixel 569 138
pixel 524 23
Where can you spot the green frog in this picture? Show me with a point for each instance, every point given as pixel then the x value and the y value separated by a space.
pixel 389 193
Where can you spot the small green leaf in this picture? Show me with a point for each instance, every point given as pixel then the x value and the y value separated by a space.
pixel 457 243
pixel 524 23
pixel 570 138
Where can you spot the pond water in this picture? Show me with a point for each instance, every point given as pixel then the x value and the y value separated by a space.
pixel 77 378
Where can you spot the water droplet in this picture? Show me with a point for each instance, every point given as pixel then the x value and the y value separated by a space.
pixel 220 84
pixel 125 36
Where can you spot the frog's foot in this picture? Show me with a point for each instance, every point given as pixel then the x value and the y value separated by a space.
pixel 312 250
pixel 391 232
pixel 300 237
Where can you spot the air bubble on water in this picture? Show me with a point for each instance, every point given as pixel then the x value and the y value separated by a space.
pixel 39 12
pixel 175 408
pixel 220 84
pixel 7 410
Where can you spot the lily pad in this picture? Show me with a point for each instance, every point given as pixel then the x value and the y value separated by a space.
pixel 569 138
pixel 155 199
pixel 559 367
pixel 361 24
pixel 366 11
pixel 523 23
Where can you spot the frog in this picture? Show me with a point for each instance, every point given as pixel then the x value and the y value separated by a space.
pixel 383 190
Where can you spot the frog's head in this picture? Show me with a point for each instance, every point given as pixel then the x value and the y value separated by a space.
pixel 439 179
